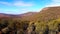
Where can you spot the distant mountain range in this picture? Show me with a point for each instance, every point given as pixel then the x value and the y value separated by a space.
pixel 18 16
pixel 46 14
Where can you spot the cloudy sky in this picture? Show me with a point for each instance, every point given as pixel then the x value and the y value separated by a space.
pixel 23 6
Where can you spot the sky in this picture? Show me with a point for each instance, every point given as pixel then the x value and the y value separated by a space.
pixel 23 6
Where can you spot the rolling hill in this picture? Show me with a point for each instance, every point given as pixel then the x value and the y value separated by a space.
pixel 49 16
pixel 46 14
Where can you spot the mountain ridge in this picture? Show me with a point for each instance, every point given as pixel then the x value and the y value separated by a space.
pixel 46 14
pixel 19 15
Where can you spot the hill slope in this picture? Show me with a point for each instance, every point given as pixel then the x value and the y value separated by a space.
pixel 38 19
pixel 48 13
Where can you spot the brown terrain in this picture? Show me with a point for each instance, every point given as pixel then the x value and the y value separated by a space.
pixel 45 15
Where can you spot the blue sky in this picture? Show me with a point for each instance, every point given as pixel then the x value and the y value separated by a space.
pixel 23 6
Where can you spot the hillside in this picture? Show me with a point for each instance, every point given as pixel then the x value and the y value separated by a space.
pixel 32 22
pixel 7 15
pixel 48 13
pixel 25 16
pixel 28 16
pixel 51 11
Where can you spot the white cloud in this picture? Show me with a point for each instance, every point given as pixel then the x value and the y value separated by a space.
pixel 17 3
pixel 53 3
pixel 24 10
pixel 56 0
pixel 20 3
pixel 5 3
